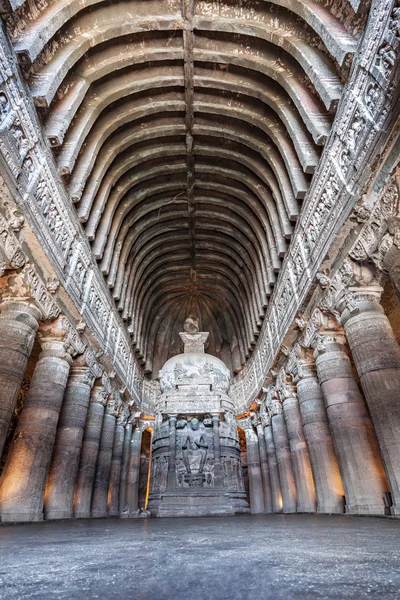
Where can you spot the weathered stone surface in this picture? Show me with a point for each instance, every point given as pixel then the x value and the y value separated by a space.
pixel 23 481
pixel 360 464
pixel 90 449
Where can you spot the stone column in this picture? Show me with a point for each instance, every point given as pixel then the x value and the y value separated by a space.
pixel 353 434
pixel 59 497
pixel 376 355
pixel 218 479
pixel 254 471
pixel 262 447
pixel 90 448
pixel 305 491
pixel 282 449
pixel 18 327
pixel 132 492
pixel 324 465
pixel 276 494
pixel 115 475
pixel 124 466
pixel 171 476
pixel 24 478
pixel 104 457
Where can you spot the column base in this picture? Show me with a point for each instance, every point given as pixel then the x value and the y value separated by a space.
pixel 82 515
pixel 57 515
pixel 330 510
pixel 99 514
pixel 395 511
pixel 18 517
pixel 365 510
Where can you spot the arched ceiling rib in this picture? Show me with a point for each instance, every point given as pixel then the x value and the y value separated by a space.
pixel 187 133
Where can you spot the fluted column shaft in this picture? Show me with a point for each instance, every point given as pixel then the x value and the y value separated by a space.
pixel 132 493
pixel 325 468
pixel 305 491
pixel 254 472
pixel 124 467
pixel 264 466
pixel 285 469
pixel 171 476
pixel 376 355
pixel 90 448
pixel 104 458
pixel 24 478
pixel 353 434
pixel 64 466
pixel 18 327
pixel 115 474
pixel 276 494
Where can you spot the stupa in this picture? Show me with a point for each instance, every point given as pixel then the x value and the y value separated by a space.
pixel 196 465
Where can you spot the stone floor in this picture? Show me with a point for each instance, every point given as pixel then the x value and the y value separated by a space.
pixel 247 557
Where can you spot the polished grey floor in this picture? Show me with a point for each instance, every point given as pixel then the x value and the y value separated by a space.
pixel 247 557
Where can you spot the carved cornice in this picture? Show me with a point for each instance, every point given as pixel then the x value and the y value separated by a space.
pixel 43 201
pixel 339 180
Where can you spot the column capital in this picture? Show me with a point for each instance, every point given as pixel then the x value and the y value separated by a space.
pixel 273 402
pixel 113 403
pixel 122 418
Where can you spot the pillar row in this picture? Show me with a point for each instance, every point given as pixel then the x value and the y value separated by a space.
pixel 376 355
pixel 282 449
pixel 305 491
pixel 59 497
pixel 132 487
pixel 353 435
pixel 276 494
pixel 90 448
pixel 18 327
pixel 256 489
pixel 104 458
pixel 264 465
pixel 324 465
pixel 124 466
pixel 116 463
pixel 23 483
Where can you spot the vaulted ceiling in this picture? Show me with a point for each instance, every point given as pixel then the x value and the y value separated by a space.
pixel 187 133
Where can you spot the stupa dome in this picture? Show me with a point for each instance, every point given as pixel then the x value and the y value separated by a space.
pixel 194 366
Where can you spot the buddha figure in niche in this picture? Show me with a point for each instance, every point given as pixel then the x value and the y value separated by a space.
pixel 195 448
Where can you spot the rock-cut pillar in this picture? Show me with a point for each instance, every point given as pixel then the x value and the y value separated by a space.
pixel 264 465
pixel 376 355
pixel 116 464
pixel 124 466
pixel 353 435
pixel 282 449
pixel 276 494
pixel 132 485
pixel 305 491
pixel 104 458
pixel 59 497
pixel 18 327
pixel 256 489
pixel 324 465
pixel 24 478
pixel 90 448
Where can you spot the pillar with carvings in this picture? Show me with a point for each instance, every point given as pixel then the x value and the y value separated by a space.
pixel 276 494
pixel 262 446
pixel 24 478
pixel 256 489
pixel 376 355
pixel 90 448
pixel 324 464
pixel 19 317
pixel 305 490
pixel 104 456
pixel 116 463
pixel 353 435
pixel 59 497
pixel 124 464
pixel 132 484
pixel 171 475
pixel 282 449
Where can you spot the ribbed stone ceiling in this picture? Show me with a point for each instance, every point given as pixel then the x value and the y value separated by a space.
pixel 187 134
